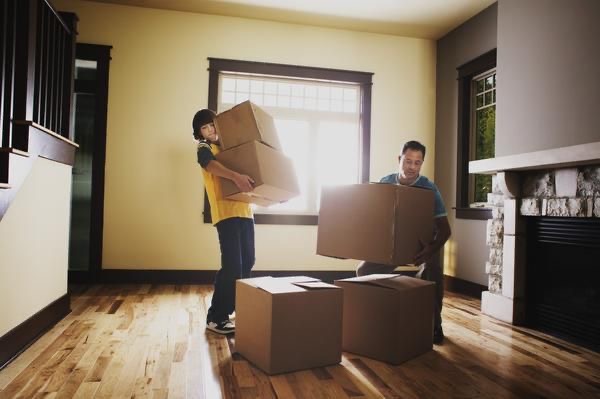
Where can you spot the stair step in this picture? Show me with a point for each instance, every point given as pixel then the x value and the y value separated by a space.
pixel 14 151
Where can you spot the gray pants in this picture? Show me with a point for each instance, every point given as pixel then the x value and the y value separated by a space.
pixel 433 272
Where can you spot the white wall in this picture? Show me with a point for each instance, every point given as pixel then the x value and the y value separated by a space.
pixel 159 78
pixel 34 238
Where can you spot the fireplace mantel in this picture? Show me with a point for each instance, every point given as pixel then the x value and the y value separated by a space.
pixel 563 157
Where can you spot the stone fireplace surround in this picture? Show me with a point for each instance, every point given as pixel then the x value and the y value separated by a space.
pixel 558 182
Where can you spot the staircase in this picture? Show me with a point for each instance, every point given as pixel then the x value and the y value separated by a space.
pixel 37 58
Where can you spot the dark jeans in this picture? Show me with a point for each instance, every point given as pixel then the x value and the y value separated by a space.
pixel 433 272
pixel 236 238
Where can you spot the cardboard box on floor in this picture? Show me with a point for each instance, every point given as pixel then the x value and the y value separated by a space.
pixel 273 173
pixel 246 122
pixel 387 317
pixel 288 323
pixel 381 223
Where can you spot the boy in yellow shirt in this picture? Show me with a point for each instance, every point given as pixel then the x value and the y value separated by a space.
pixel 233 219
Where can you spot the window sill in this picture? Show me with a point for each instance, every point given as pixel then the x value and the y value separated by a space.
pixel 473 213
pixel 299 220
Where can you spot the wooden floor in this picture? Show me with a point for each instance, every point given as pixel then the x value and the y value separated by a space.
pixel 149 341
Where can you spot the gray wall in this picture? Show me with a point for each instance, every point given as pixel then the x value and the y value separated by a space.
pixel 466 254
pixel 548 74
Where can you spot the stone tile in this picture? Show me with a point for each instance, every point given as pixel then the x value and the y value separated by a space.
pixel 494 232
pixel 565 182
pixel 497 212
pixel 493 269
pixel 496 200
pixel 571 207
pixel 530 207
pixel 495 257
pixel 538 184
pixel 588 181
pixel 495 283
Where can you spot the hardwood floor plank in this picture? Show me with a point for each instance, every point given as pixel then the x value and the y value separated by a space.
pixel 374 379
pixel 150 341
pixel 282 387
pixel 30 379
pixel 345 379
pixel 263 384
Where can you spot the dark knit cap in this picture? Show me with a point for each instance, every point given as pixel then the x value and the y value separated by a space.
pixel 202 117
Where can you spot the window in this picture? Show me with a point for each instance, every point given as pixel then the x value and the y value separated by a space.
pixel 476 133
pixel 322 118
pixel 483 128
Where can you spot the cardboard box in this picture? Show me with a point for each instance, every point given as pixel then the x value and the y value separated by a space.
pixel 289 323
pixel 387 317
pixel 381 223
pixel 273 173
pixel 246 122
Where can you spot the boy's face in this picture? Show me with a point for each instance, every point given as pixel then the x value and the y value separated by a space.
pixel 410 164
pixel 208 132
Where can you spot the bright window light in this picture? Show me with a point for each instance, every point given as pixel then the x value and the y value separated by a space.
pixel 318 123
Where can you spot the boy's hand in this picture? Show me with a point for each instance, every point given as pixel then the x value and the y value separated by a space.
pixel 244 183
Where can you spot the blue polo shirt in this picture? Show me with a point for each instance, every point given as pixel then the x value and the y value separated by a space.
pixel 439 210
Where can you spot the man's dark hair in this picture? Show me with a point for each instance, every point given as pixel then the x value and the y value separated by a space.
pixel 413 145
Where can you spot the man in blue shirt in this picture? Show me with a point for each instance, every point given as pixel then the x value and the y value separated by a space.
pixel 410 162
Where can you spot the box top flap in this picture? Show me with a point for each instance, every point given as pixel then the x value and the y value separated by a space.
pixel 393 281
pixel 368 278
pixel 283 284
pixel 274 286
pixel 316 285
pixel 400 283
pixel 297 279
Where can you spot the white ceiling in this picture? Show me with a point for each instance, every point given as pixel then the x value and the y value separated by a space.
pixel 430 19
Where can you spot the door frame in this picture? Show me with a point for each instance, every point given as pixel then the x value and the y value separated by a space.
pixel 98 87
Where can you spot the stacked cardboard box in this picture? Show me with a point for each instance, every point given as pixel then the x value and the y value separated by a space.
pixel 381 223
pixel 387 317
pixel 289 323
pixel 251 146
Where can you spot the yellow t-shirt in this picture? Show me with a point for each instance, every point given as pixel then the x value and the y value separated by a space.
pixel 220 208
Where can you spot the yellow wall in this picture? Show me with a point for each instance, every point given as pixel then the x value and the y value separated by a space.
pixel 159 78
pixel 34 238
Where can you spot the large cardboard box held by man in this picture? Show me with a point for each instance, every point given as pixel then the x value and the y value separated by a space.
pixel 381 223
pixel 387 317
pixel 273 173
pixel 246 122
pixel 289 323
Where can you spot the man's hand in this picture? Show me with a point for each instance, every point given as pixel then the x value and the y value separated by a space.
pixel 425 254
pixel 243 182
pixel 442 229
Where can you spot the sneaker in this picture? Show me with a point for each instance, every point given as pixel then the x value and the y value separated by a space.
pixel 438 335
pixel 224 327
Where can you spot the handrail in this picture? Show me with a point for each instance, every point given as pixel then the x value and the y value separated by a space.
pixel 45 130
pixel 58 17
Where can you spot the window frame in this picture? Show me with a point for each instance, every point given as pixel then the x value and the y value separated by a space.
pixel 363 79
pixel 466 73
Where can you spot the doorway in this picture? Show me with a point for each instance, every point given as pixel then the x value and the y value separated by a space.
pixel 88 114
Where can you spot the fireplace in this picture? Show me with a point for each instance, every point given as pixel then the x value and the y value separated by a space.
pixel 562 275
pixel 544 241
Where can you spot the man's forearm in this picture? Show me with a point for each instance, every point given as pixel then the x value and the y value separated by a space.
pixel 443 232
